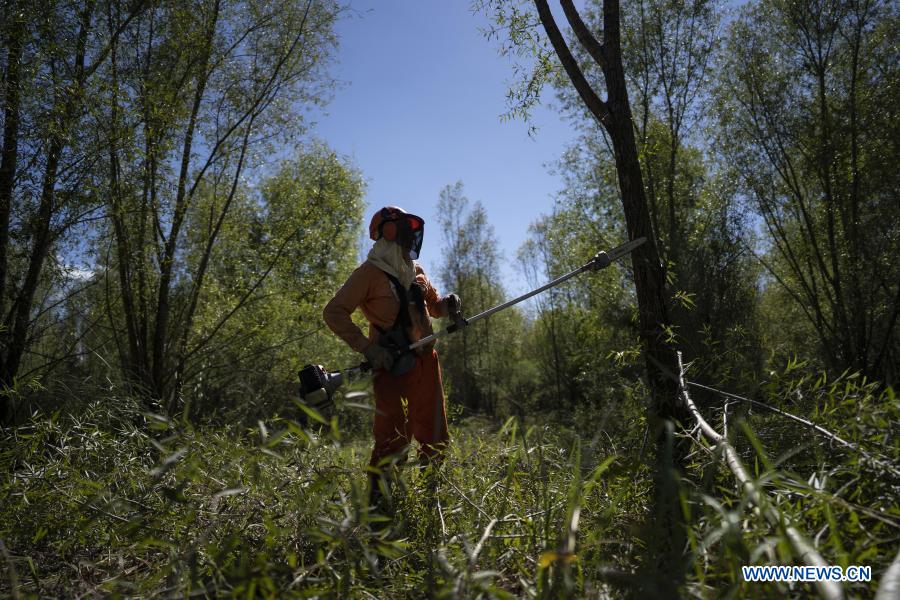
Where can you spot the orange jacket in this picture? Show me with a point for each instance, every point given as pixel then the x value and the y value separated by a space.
pixel 369 289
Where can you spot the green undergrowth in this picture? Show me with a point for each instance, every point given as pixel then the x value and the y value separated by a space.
pixel 113 501
pixel 117 502
pixel 843 499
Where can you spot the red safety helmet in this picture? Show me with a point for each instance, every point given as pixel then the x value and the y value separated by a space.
pixel 396 225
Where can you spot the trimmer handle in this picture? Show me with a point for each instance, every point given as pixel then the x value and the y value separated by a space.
pixel 404 360
pixel 457 322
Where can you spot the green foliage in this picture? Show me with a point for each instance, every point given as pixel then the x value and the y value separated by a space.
pixel 845 501
pixel 131 132
pixel 804 125
pixel 701 230
pixel 208 273
pixel 279 258
pixel 112 500
pixel 515 27
pixel 577 325
pixel 116 501
pixel 482 362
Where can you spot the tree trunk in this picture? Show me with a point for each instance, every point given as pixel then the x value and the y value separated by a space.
pixel 665 561
pixel 124 252
pixel 160 372
pixel 649 274
pixel 18 321
pixel 615 116
pixel 10 151
pixel 8 160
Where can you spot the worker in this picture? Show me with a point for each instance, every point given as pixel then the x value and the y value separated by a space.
pixel 397 299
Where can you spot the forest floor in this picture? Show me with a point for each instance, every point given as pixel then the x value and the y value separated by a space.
pixel 117 502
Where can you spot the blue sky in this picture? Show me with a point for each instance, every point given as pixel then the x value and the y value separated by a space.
pixel 420 108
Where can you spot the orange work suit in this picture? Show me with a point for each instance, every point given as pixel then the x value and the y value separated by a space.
pixel 408 406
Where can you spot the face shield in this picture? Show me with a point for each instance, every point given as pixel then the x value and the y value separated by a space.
pixel 412 234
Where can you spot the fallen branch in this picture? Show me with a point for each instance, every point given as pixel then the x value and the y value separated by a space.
pixel 880 462
pixel 802 549
pixel 889 586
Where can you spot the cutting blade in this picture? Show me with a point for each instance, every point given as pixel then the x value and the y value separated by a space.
pixel 620 251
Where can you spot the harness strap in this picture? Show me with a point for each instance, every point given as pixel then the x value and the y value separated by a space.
pixel 403 321
pixel 402 317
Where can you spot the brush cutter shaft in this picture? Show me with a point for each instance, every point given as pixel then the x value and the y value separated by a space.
pixel 318 385
pixel 499 307
pixel 601 260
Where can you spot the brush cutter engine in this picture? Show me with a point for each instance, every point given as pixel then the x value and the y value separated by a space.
pixel 317 385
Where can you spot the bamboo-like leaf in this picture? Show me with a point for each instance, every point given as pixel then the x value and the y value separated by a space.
pixel 311 412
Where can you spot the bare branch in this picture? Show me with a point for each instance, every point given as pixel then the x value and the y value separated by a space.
pixel 587 39
pixel 598 107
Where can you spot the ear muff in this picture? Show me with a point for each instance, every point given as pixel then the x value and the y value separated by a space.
pixel 388 228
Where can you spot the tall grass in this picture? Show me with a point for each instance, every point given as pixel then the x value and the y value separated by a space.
pixel 116 501
pixel 110 500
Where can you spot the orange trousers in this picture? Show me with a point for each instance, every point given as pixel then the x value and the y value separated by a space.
pixel 410 406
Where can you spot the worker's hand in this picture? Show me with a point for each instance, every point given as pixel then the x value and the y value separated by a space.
pixel 379 357
pixel 454 304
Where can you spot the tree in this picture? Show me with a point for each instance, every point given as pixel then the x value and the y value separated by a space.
pixel 198 98
pixel 478 360
pixel 714 284
pixel 802 100
pixel 285 248
pixel 694 208
pixel 54 54
pixel 614 117
pixel 555 325
pixel 666 50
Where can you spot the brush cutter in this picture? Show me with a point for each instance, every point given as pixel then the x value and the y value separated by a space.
pixel 317 385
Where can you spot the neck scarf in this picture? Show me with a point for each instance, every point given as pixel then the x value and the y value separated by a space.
pixel 388 256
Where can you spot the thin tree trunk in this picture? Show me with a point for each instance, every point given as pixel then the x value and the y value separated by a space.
pixel 646 93
pixel 124 253
pixel 615 116
pixel 8 160
pixel 20 316
pixel 863 336
pixel 163 308
pixel 10 151
pixel 204 264
pixel 18 322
